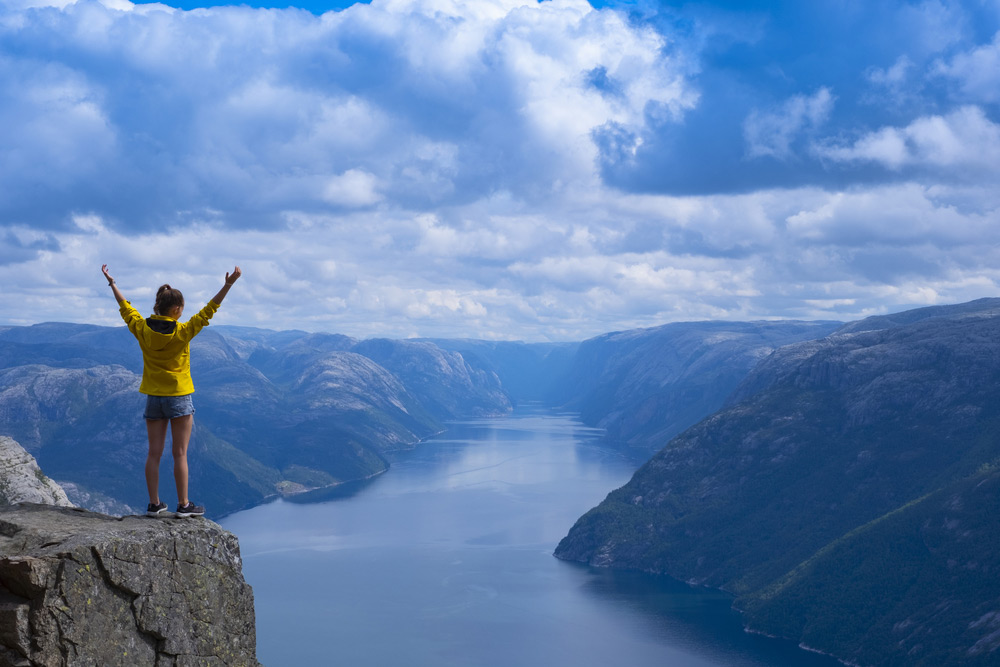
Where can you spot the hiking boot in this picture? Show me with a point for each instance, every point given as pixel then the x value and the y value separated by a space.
pixel 190 510
pixel 154 510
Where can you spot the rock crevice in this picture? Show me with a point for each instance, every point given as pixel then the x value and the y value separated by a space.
pixel 80 588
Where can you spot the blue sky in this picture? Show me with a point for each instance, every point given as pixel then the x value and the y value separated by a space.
pixel 500 168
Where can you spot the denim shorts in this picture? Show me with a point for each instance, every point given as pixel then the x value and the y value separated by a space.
pixel 168 407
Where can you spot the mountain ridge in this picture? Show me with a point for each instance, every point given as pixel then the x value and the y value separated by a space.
pixel 821 439
pixel 647 385
pixel 277 412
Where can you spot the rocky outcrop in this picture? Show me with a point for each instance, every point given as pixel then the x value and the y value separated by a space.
pixel 79 588
pixel 22 481
pixel 95 501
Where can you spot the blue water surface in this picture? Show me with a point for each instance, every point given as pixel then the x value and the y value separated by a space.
pixel 447 560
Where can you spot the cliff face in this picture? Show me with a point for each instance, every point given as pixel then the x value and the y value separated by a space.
pixel 647 385
pixel 79 588
pixel 22 481
pixel 846 495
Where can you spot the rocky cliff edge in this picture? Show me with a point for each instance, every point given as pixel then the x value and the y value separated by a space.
pixel 22 481
pixel 80 588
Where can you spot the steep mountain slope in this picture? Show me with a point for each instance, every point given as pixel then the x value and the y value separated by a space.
pixel 446 382
pixel 276 411
pixel 920 581
pixel 818 496
pixel 647 385
pixel 313 411
pixel 527 371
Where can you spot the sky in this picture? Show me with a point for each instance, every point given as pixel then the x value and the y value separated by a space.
pixel 499 169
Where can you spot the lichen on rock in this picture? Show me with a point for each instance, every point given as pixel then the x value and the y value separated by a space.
pixel 80 588
pixel 22 481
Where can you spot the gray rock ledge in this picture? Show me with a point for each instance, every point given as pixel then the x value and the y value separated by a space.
pixel 80 588
pixel 22 481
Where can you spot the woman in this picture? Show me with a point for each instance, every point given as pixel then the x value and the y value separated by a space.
pixel 166 381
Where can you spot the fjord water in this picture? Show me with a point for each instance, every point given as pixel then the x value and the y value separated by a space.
pixel 447 560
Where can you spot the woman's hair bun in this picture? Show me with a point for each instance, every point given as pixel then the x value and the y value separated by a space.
pixel 166 299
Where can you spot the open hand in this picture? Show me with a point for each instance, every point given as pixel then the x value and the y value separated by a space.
pixel 111 281
pixel 234 276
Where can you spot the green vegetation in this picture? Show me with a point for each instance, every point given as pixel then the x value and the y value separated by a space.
pixel 920 580
pixel 848 499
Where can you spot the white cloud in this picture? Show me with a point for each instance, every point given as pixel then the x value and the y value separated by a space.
pixel 28 4
pixel 976 71
pixel 897 84
pixel 895 215
pixel 377 273
pixel 429 167
pixel 55 124
pixel 933 25
pixel 244 115
pixel 963 139
pixel 892 77
pixel 353 188
pixel 772 133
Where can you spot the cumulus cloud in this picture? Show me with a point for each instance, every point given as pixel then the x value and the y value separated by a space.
pixel 965 140
pixel 771 133
pixel 893 77
pixel 353 188
pixel 896 215
pixel 21 244
pixel 893 84
pixel 498 168
pixel 976 71
pixel 809 253
pixel 154 114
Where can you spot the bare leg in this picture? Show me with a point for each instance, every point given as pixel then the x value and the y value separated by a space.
pixel 156 429
pixel 180 431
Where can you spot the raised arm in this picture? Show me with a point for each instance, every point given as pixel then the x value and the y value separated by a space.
pixel 230 279
pixel 111 281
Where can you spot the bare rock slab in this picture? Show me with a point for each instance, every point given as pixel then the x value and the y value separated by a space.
pixel 22 481
pixel 81 588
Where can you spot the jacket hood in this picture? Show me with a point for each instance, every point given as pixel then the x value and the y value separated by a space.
pixel 160 331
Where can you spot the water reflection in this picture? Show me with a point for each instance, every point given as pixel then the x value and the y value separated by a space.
pixel 447 560
pixel 327 494
pixel 695 618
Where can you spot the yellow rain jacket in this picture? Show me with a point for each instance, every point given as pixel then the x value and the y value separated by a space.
pixel 166 349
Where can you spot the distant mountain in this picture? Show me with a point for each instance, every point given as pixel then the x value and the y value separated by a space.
pixel 645 386
pixel 527 371
pixel 847 494
pixel 447 382
pixel 277 412
pixel 285 411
